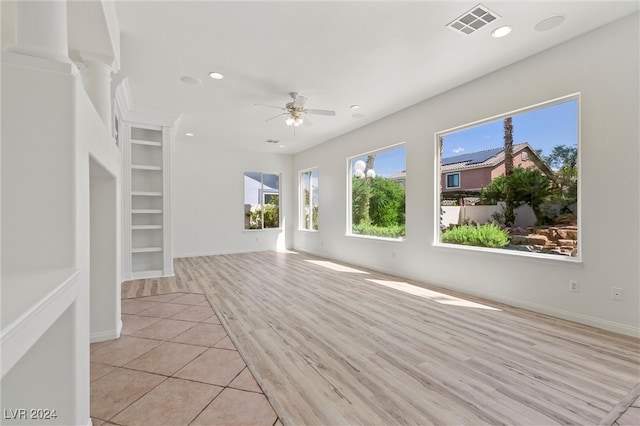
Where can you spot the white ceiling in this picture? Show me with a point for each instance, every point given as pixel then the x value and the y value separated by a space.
pixel 384 56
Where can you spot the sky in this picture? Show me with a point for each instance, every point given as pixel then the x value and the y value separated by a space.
pixel 542 128
pixel 387 162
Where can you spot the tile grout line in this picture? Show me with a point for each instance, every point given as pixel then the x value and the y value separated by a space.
pixel 616 412
pixel 214 312
pixel 247 362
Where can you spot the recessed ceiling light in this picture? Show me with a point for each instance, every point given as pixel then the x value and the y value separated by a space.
pixel 280 146
pixel 354 107
pixel 191 81
pixel 549 23
pixel 216 75
pixel 501 31
pixel 189 134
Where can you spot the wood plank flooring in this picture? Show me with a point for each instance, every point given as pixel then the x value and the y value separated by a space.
pixel 331 344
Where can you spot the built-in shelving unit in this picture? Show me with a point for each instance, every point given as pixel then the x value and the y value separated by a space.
pixel 146 202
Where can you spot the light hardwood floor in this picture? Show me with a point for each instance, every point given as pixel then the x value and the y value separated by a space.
pixel 331 344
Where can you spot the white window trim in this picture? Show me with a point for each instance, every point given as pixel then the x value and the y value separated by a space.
pixel 348 231
pixel 301 221
pixel 438 190
pixel 279 228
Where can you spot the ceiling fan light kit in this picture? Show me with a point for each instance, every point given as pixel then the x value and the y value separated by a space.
pixel 294 120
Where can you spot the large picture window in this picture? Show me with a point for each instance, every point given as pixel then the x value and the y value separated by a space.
pixel 309 200
pixel 261 200
pixel 511 183
pixel 377 193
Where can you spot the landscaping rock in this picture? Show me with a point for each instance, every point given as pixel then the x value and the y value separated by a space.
pixel 567 219
pixel 519 240
pixel 536 239
pixel 548 239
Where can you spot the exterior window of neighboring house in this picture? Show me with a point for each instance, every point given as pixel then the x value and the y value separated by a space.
pixel 453 180
pixel 309 200
pixel 377 193
pixel 511 183
pixel 261 200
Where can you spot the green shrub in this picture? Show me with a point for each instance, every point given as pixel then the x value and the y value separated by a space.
pixel 271 217
pixel 488 235
pixel 393 231
pixel 387 202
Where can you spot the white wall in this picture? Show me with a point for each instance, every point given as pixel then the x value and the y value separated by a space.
pixel 207 203
pixel 38 201
pixel 603 67
pixel 45 203
pixel 99 168
pixel 481 214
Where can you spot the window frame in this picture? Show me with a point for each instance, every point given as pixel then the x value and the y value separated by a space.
pixel 447 180
pixel 438 147
pixel 349 203
pixel 301 206
pixel 262 195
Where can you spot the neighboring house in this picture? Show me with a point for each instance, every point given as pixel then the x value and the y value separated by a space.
pixel 399 177
pixel 469 173
pixel 466 174
pixel 259 188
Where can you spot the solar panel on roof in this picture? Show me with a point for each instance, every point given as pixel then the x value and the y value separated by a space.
pixel 472 157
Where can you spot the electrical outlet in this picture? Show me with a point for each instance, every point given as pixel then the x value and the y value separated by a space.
pixel 574 287
pixel 616 293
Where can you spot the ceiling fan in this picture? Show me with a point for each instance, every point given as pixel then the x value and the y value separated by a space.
pixel 295 110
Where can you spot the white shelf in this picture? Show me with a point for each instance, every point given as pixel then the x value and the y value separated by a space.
pixel 140 227
pixel 146 194
pixel 146 249
pixel 146 201
pixel 146 167
pixel 147 143
pixel 27 315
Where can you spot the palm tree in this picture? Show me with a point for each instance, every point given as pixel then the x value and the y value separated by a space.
pixel 509 214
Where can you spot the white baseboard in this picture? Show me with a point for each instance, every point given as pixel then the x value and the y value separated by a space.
pixel 571 316
pixel 542 309
pixel 102 336
pixel 218 253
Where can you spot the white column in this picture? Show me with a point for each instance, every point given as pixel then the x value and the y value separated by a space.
pixel 98 85
pixel 41 29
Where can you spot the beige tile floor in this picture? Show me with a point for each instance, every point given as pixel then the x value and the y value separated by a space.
pixel 173 365
pixel 631 417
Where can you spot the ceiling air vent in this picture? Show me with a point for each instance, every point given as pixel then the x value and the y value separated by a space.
pixel 472 20
pixel 272 141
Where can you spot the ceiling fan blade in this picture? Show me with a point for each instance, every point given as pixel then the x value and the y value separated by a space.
pixel 320 112
pixel 271 106
pixel 276 116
